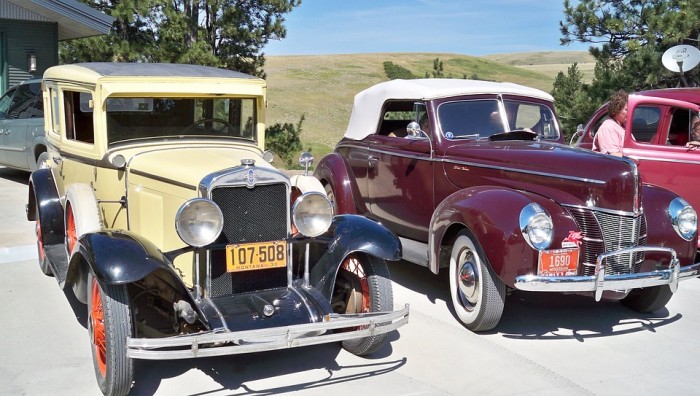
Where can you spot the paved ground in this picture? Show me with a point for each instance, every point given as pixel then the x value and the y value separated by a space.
pixel 546 344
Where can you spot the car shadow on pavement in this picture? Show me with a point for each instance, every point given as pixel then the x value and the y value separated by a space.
pixel 310 367
pixel 538 315
pixel 14 175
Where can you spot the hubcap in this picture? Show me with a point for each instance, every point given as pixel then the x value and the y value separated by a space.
pixel 468 279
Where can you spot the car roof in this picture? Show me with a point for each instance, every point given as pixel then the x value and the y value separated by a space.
pixel 685 94
pixel 91 72
pixel 368 103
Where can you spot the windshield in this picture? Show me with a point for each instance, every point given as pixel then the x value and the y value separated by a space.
pixel 145 118
pixel 484 117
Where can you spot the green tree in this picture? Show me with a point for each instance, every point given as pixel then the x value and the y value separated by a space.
pixel 394 71
pixel 221 33
pixel 634 34
pixel 284 141
pixel 567 91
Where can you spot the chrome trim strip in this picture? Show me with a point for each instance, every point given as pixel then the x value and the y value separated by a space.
pixel 600 282
pixel 675 161
pixel 246 341
pixel 603 210
pixel 472 164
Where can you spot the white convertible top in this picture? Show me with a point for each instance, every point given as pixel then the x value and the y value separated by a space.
pixel 367 106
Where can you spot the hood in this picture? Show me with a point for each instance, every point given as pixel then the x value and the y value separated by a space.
pixel 187 166
pixel 565 174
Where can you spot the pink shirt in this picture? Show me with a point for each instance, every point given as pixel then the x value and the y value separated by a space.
pixel 609 138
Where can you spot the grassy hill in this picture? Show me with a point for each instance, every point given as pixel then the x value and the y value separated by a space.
pixel 322 87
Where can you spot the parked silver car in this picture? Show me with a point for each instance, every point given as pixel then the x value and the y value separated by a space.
pixel 22 138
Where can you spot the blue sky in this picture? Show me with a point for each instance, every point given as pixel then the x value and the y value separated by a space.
pixel 469 27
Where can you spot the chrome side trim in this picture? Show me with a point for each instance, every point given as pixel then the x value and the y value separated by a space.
pixel 654 159
pixel 475 165
pixel 599 282
pixel 603 210
pixel 219 343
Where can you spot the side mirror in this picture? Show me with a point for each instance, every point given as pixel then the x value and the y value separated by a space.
pixel 414 130
pixel 306 160
pixel 579 130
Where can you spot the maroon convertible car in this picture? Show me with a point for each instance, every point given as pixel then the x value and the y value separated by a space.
pixel 474 179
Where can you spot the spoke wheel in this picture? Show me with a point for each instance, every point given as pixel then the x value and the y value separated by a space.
pixel 109 326
pixel 363 285
pixel 71 233
pixel 478 296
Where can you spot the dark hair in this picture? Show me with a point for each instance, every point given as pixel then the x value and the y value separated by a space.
pixel 618 101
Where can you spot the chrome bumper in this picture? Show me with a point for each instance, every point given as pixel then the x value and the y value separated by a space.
pixel 231 343
pixel 599 281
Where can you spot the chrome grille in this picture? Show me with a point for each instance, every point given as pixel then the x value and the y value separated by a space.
pixel 256 214
pixel 605 232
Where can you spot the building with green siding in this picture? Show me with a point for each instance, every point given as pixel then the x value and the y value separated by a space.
pixel 31 29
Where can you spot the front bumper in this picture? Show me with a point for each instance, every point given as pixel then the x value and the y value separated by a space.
pixel 600 282
pixel 231 343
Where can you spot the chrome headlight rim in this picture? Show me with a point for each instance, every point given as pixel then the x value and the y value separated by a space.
pixel 536 226
pixel 683 218
pixel 199 222
pixel 312 214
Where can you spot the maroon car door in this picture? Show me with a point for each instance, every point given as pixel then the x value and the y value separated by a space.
pixel 400 184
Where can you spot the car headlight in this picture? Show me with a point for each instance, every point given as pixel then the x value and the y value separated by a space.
pixel 536 226
pixel 683 218
pixel 199 222
pixel 312 214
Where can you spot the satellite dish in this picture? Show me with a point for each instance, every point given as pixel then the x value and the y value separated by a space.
pixel 681 58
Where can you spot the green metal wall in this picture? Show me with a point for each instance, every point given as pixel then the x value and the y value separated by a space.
pixel 20 38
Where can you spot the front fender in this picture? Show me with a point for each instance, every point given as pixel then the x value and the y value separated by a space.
pixel 117 257
pixel 655 201
pixel 43 196
pixel 492 215
pixel 332 170
pixel 352 234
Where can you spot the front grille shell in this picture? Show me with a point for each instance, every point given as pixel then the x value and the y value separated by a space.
pixel 606 231
pixel 255 208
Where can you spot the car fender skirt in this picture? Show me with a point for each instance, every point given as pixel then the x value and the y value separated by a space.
pixel 118 257
pixel 352 234
pixel 44 197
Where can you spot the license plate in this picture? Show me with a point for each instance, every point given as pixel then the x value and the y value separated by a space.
pixel 256 256
pixel 558 262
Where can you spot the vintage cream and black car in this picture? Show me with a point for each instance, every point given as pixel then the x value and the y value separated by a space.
pixel 158 207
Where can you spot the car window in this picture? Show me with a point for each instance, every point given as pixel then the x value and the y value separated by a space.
pixel 470 118
pixel 78 116
pixel 26 103
pixel 533 117
pixel 146 118
pixel 5 102
pixel 395 118
pixel 679 127
pixel 645 122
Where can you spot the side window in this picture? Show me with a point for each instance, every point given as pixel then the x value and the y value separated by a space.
pixel 22 103
pixel 395 118
pixel 645 122
pixel 78 116
pixel 5 102
pixel 679 128
pixel 53 95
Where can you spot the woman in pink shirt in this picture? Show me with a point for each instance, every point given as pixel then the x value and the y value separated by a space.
pixel 611 134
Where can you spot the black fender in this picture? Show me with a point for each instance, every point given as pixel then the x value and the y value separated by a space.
pixel 491 214
pixel 43 196
pixel 352 234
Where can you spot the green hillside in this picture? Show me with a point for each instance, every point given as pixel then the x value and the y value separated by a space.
pixel 322 87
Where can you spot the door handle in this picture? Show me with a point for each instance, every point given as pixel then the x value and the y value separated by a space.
pixel 57 160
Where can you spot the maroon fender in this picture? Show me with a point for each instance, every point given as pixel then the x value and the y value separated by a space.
pixel 492 215
pixel 333 171
pixel 655 201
